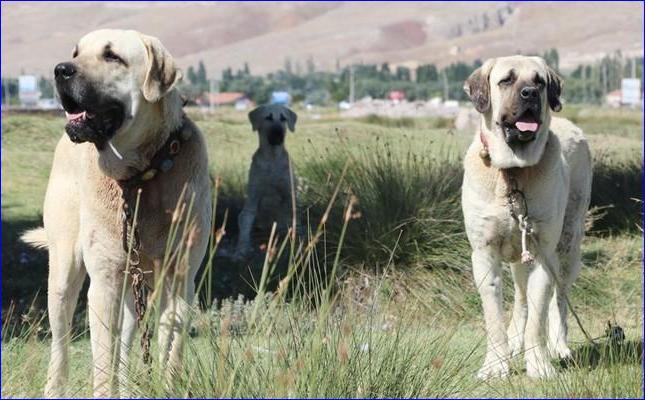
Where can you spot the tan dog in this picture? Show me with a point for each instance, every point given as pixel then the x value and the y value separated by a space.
pixel 523 154
pixel 271 186
pixel 122 108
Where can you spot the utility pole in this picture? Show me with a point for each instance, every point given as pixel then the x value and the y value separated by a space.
pixel 352 92
pixel 446 92
pixel 585 83
pixel 604 79
pixel 212 91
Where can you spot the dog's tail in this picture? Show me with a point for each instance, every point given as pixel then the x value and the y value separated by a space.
pixel 36 238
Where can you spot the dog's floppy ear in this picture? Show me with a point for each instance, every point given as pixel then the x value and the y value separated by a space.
pixel 477 87
pixel 291 118
pixel 255 117
pixel 161 73
pixel 553 89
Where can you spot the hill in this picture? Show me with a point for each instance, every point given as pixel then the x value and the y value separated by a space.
pixel 36 36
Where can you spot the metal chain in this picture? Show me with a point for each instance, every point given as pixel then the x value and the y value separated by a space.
pixel 131 235
pixel 162 161
pixel 519 210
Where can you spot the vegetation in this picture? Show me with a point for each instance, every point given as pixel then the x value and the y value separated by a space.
pixel 587 83
pixel 401 318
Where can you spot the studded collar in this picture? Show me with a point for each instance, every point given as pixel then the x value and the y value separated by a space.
pixel 162 161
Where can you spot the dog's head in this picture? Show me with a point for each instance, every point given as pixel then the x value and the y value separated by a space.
pixel 113 75
pixel 515 95
pixel 271 122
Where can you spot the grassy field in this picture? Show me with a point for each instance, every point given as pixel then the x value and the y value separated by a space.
pixel 403 318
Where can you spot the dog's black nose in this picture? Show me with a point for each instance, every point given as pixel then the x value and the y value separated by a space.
pixel 529 92
pixel 64 71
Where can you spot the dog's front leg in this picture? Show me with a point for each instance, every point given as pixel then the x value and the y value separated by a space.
pixel 486 271
pixel 175 307
pixel 103 303
pixel 520 309
pixel 128 329
pixel 540 288
pixel 245 221
pixel 66 276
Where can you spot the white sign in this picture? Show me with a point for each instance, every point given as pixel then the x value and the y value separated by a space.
pixel 631 91
pixel 27 83
pixel 28 90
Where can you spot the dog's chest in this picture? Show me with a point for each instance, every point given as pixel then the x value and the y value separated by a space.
pixel 493 216
pixel 271 176
pixel 496 228
pixel 159 203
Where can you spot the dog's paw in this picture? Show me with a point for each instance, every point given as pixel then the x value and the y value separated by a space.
pixel 516 345
pixel 241 254
pixel 561 351
pixel 538 366
pixel 492 370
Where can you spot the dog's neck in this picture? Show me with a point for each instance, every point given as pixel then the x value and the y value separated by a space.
pixel 269 150
pixel 144 135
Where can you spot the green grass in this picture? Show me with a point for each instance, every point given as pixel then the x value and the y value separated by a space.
pixel 387 335
pixel 404 319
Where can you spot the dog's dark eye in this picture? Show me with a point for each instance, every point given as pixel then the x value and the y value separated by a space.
pixel 75 52
pixel 110 56
pixel 506 81
pixel 539 82
pixel 269 117
pixel 282 118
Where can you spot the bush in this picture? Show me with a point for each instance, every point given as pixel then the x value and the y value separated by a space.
pixel 409 206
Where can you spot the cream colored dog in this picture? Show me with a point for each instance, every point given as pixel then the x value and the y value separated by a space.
pixel 121 105
pixel 522 153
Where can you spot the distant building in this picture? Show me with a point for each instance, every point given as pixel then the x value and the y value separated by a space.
pixel 396 95
pixel 613 99
pixel 631 94
pixel 282 98
pixel 223 98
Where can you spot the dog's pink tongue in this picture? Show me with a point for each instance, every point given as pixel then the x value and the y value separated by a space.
pixel 73 117
pixel 526 126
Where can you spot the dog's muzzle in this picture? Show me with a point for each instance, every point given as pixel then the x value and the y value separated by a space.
pixel 275 134
pixel 522 126
pixel 91 117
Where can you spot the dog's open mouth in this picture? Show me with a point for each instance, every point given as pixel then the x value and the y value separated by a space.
pixel 95 123
pixel 524 129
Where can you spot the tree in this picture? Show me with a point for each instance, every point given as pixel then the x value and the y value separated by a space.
pixel 192 77
pixel 46 88
pixel 552 59
pixel 227 75
pixel 427 73
pixel 402 73
pixel 247 71
pixel 311 67
pixel 201 74
pixel 287 66
pixel 385 69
